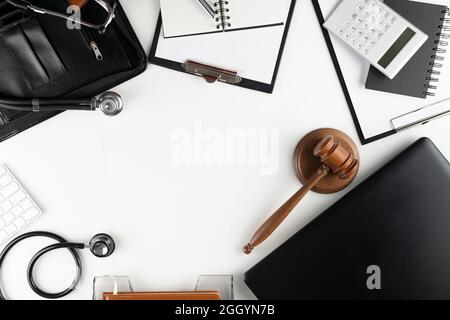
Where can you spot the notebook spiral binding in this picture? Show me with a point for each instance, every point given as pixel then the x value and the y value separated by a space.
pixel 442 41
pixel 222 12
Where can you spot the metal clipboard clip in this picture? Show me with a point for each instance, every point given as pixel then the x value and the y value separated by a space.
pixel 211 74
pixel 421 116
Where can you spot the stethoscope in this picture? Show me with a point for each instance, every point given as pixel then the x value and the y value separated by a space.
pixel 110 103
pixel 27 6
pixel 101 245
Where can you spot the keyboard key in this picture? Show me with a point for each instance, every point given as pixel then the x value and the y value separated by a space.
pixel 19 222
pixel 26 204
pixel 3 236
pixel 5 180
pixel 8 217
pixel 2 170
pixel 9 190
pixel 6 205
pixel 31 214
pixel 17 197
pixel 377 9
pixel 16 211
pixel 10 229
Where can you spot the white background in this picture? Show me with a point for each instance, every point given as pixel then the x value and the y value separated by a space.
pixel 172 223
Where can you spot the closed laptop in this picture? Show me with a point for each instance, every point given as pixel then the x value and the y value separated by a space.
pixel 389 238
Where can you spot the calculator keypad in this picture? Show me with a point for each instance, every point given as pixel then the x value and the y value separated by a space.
pixel 366 25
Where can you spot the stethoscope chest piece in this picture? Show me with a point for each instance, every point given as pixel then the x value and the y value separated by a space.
pixel 110 103
pixel 102 245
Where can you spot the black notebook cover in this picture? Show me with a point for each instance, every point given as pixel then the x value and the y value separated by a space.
pixel 245 83
pixel 398 220
pixel 414 78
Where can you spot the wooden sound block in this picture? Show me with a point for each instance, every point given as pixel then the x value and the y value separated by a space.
pixel 306 164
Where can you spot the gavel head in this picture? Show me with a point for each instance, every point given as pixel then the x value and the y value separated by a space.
pixel 334 156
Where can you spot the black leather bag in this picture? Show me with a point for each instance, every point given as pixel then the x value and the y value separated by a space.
pixel 41 57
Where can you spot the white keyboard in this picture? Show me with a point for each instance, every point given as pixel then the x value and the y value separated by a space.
pixel 376 32
pixel 17 209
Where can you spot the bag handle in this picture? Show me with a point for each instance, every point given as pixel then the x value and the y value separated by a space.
pixel 26 5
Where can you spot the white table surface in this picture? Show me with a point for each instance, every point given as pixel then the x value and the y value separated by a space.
pixel 173 222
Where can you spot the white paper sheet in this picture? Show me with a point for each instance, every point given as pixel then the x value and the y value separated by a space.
pixel 187 17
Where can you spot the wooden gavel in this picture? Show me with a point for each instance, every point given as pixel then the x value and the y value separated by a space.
pixel 334 159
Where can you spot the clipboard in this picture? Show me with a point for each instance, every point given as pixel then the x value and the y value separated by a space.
pixel 220 71
pixel 417 115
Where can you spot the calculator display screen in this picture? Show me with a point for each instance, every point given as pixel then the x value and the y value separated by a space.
pixel 395 49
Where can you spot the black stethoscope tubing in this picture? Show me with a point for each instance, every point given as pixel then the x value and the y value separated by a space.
pixel 110 103
pixel 48 104
pixel 63 244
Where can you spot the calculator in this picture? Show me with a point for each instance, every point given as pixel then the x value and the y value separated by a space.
pixel 377 32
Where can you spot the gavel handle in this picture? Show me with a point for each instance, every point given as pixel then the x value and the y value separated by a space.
pixel 272 223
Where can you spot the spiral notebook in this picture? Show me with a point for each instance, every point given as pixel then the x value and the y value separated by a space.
pixel 187 17
pixel 376 110
pixel 420 77
pixel 247 58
